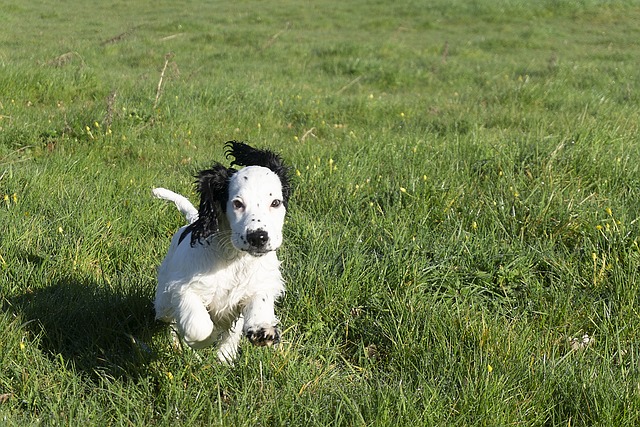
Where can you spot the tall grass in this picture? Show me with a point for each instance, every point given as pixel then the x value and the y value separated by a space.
pixel 462 243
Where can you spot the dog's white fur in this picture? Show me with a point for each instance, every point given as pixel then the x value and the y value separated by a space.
pixel 216 290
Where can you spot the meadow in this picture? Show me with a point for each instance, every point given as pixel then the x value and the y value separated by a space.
pixel 461 246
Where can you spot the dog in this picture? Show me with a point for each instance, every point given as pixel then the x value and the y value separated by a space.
pixel 221 276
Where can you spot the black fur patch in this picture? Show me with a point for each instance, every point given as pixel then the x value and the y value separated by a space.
pixel 213 186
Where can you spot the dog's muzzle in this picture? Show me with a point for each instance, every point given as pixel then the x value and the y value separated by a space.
pixel 258 240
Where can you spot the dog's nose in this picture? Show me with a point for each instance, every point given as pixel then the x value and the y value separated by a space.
pixel 257 238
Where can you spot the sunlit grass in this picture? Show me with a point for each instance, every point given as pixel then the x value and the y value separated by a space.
pixel 462 242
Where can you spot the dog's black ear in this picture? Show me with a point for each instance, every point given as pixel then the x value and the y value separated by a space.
pixel 245 155
pixel 213 186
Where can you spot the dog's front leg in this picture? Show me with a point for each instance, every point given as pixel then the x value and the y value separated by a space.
pixel 260 321
pixel 193 321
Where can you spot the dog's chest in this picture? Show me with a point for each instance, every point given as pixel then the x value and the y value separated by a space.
pixel 226 288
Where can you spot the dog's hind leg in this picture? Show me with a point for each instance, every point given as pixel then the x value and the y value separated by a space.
pixel 229 342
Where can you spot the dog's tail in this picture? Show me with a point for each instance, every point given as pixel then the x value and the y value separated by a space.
pixel 182 203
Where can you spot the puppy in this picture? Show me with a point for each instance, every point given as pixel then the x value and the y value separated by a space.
pixel 221 277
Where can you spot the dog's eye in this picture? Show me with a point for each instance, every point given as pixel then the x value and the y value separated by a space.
pixel 276 203
pixel 237 205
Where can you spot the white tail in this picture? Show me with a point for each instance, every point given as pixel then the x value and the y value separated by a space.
pixel 182 203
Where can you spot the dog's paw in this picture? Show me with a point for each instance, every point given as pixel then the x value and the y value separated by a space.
pixel 263 336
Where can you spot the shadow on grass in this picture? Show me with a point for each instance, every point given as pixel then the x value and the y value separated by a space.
pixel 98 330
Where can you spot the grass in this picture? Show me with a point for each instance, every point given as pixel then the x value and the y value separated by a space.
pixel 465 209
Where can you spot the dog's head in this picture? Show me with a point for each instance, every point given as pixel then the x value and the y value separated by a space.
pixel 253 200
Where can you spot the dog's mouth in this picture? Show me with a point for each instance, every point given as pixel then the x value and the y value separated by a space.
pixel 257 252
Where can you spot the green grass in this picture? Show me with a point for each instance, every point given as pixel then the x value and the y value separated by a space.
pixel 466 204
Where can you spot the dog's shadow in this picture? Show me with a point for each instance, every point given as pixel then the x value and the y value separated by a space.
pixel 98 330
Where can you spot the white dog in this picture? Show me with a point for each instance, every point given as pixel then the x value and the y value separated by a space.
pixel 221 277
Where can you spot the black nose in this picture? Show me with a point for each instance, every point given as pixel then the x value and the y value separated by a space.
pixel 257 238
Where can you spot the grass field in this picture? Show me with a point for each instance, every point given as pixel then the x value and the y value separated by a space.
pixel 461 246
